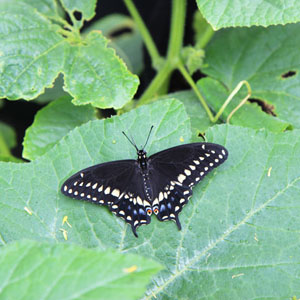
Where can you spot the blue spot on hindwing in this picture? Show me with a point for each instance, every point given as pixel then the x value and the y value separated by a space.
pixel 142 212
pixel 162 208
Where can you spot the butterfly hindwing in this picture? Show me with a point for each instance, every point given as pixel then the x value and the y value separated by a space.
pixel 116 184
pixel 176 170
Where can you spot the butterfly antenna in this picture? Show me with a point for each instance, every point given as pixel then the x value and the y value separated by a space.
pixel 131 141
pixel 148 136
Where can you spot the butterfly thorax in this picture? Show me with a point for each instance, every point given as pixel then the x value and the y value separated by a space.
pixel 142 159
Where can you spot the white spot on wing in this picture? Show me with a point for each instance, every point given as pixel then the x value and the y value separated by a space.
pixel 181 178
pixel 95 186
pixel 139 201
pixel 192 167
pixel 187 172
pixel 81 175
pixel 65 188
pixel 177 208
pixel 196 162
pixel 160 196
pixel 107 190
pixel 116 193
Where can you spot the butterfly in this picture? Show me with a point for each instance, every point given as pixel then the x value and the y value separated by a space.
pixel 135 189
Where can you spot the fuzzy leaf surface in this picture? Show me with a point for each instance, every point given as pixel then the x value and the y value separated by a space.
pixel 31 51
pixel 31 270
pixel 227 13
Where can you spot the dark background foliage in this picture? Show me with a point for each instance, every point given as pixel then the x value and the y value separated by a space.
pixel 156 14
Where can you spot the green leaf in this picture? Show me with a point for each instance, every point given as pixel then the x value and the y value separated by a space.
pixel 238 218
pixel 227 13
pixel 94 70
pixel 35 271
pixel 198 116
pixel 31 52
pixel 124 37
pixel 263 57
pixel 203 30
pixel 86 8
pixel 249 115
pixel 53 122
pixel 8 135
pixel 36 185
pixel 45 7
pixel 93 73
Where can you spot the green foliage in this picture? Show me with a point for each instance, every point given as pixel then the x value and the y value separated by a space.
pixel 227 13
pixel 71 272
pixel 262 56
pixel 52 123
pixel 28 68
pixel 240 230
pixel 236 221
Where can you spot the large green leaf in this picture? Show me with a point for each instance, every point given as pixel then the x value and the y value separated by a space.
pixel 31 52
pixel 46 7
pixel 267 58
pixel 226 13
pixel 36 185
pixel 35 271
pixel 239 231
pixel 53 122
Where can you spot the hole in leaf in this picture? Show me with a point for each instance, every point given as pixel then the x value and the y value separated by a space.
pixel 120 32
pixel 288 74
pixel 77 15
pixel 202 135
pixel 266 107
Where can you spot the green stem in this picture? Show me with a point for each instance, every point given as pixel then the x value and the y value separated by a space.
pixel 174 47
pixel 207 35
pixel 151 47
pixel 177 29
pixel 155 84
pixel 191 82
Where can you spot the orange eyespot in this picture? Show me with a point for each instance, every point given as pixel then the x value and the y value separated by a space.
pixel 149 212
pixel 156 211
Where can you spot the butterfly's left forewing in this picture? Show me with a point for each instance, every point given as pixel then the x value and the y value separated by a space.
pixel 117 184
pixel 174 172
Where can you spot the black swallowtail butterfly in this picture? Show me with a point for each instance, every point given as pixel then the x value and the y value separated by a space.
pixel 161 184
